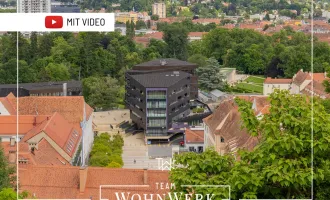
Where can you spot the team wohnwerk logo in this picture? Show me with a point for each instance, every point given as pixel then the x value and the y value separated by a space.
pixel 165 164
pixel 166 191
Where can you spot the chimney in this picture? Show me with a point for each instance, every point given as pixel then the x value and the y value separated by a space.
pixel 145 176
pixel 65 89
pixel 12 157
pixel 82 179
pixel 12 141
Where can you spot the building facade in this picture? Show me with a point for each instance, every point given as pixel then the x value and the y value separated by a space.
pixel 159 9
pixel 168 65
pixel 34 6
pixel 156 99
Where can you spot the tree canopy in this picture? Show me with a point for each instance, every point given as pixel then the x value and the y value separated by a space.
pixel 279 167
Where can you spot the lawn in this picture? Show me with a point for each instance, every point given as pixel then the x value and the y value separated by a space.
pixel 254 79
pixel 250 88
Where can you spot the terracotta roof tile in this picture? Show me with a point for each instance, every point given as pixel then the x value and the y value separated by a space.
pixel 8 103
pixel 70 107
pixel 63 181
pixel 8 123
pixel 64 134
pixel 269 80
pixel 194 136
pixel 300 77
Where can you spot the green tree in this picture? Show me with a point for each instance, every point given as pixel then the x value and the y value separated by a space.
pixel 155 17
pixel 279 167
pixel 176 38
pixel 140 24
pixel 198 59
pixel 267 17
pixel 57 72
pixel 209 77
pixel 7 172
pixel 26 73
pixel 102 93
pixel 114 165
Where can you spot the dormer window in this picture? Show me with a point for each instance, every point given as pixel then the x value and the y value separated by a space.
pixel 222 140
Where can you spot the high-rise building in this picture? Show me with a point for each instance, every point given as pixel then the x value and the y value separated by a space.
pixel 34 6
pixel 159 9
pixel 158 93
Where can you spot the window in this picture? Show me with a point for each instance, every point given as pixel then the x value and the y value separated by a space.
pixel 222 140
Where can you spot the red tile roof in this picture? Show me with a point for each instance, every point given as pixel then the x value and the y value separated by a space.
pixel 300 77
pixel 269 80
pixel 194 136
pixel 70 107
pixel 8 104
pixel 8 123
pixel 64 181
pixel 60 131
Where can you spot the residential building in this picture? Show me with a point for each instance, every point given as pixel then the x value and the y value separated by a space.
pixel 123 17
pixel 34 6
pixel 222 129
pixel 169 65
pixel 194 139
pixel 69 182
pixel 63 123
pixel 301 83
pixel 271 84
pixel 59 88
pixel 157 99
pixel 159 9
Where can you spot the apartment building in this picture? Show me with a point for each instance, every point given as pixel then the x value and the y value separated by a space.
pixel 157 99
pixel 34 6
pixel 159 9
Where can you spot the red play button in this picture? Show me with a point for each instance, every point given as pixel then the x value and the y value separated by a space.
pixel 54 22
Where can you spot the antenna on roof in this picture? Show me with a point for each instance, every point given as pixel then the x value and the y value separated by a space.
pixel 163 62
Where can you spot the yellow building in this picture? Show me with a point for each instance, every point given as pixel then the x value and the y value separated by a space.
pixel 126 16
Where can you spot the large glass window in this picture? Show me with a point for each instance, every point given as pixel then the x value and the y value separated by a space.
pixel 156 104
pixel 156 122
pixel 156 95
pixel 156 113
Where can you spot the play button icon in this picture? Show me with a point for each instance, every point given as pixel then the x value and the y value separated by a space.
pixel 54 22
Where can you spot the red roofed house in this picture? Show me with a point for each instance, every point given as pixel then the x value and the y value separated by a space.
pixel 69 182
pixel 271 84
pixel 223 129
pixel 51 129
pixel 194 139
pixel 301 83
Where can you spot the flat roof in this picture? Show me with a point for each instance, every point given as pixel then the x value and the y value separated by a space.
pixel 168 62
pixel 44 85
pixel 160 79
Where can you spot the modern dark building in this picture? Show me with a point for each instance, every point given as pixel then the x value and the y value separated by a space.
pixel 167 65
pixel 156 99
pixel 60 88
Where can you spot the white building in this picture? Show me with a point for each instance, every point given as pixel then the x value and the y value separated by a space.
pixel 271 84
pixel 301 83
pixel 34 6
pixel 159 9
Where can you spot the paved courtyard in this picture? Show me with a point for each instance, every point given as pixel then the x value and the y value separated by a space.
pixel 135 149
